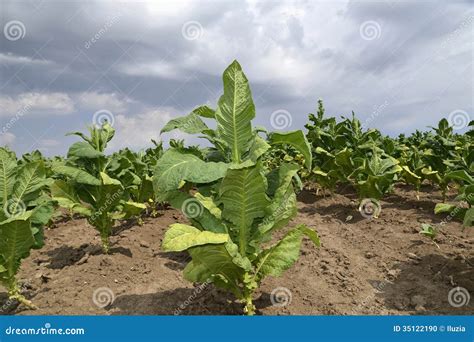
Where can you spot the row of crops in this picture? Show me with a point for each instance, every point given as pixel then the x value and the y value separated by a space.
pixel 236 193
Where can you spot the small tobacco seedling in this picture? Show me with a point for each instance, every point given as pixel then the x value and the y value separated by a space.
pixel 429 231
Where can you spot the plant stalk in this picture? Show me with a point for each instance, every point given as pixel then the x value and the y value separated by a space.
pixel 14 294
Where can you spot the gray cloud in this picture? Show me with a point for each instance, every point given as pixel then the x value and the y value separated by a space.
pixel 133 59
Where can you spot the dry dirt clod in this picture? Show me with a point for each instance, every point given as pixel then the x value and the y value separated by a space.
pixel 83 259
pixel 144 244
pixel 369 255
pixel 413 256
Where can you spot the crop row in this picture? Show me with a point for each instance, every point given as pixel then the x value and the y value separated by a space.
pixel 236 193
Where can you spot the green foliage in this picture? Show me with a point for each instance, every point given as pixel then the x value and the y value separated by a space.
pixel 344 153
pixel 86 185
pixel 240 202
pixel 466 195
pixel 26 208
pixel 429 231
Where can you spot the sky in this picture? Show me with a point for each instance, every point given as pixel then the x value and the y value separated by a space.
pixel 64 65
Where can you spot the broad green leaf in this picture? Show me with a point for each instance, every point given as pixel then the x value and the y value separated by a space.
pixel 320 150
pixel 83 149
pixel 107 180
pixel 220 263
pixel 64 194
pixel 444 208
pixel 175 167
pixel 80 134
pixel 29 179
pixel 280 179
pixel 258 148
pixel 235 111
pixel 16 242
pixel 277 259
pixel 461 175
pixel 190 124
pixel 41 215
pixel 181 237
pixel 132 209
pixel 311 234
pixel 7 170
pixel 297 140
pixel 370 188
pixel 279 213
pixel 205 112
pixel 469 218
pixel 106 133
pixel 242 194
pixel 77 175
pixel 203 219
pixel 209 204
pixel 410 177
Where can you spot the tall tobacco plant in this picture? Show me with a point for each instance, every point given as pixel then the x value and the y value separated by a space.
pixel 233 203
pixel 25 210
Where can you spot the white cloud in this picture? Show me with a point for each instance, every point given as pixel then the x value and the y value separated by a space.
pixel 103 101
pixel 36 103
pixel 9 58
pixel 7 138
pixel 49 143
pixel 138 130
pixel 160 69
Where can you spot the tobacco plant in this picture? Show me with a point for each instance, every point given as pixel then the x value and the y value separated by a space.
pixel 466 195
pixel 84 185
pixel 25 210
pixel 233 203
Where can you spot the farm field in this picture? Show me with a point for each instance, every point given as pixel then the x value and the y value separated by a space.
pixel 381 266
pixel 337 219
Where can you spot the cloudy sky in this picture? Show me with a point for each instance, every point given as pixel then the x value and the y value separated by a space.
pixel 399 65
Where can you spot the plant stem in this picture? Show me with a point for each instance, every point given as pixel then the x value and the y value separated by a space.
pixel 249 308
pixel 105 242
pixel 14 294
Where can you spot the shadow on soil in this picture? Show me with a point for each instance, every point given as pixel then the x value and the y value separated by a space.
pixel 178 260
pixel 182 301
pixel 66 255
pixel 424 285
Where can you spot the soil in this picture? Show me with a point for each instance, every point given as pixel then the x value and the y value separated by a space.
pixel 364 266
